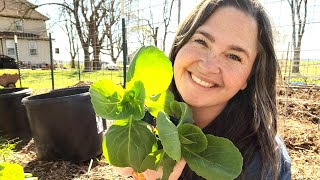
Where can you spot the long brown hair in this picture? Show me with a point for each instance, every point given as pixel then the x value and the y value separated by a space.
pixel 250 118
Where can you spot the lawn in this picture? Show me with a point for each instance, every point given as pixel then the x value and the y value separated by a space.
pixel 309 73
pixel 41 79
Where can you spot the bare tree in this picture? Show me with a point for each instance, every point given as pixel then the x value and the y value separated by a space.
pixel 153 27
pixel 88 19
pixel 112 30
pixel 166 20
pixel 299 18
pixel 142 34
pixel 70 27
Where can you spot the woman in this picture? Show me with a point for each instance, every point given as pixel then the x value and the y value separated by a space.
pixel 225 68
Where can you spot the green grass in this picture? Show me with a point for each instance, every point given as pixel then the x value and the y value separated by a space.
pixel 41 79
pixel 311 68
pixel 309 72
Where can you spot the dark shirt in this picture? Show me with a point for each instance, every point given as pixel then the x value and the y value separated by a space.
pixel 254 168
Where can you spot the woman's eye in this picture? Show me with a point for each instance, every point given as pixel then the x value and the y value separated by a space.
pixel 234 57
pixel 202 42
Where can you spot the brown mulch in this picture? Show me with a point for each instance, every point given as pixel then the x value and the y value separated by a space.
pixel 299 115
pixel 300 129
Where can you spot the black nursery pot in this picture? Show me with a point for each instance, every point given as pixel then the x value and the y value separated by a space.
pixel 64 125
pixel 13 116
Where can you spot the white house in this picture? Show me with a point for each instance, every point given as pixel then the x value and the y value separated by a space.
pixel 18 18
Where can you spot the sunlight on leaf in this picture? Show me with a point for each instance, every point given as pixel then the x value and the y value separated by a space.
pixel 152 67
pixel 111 102
pixel 152 161
pixel 158 103
pixel 9 171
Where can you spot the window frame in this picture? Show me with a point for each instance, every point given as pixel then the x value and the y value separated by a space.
pixel 19 25
pixel 11 49
pixel 33 48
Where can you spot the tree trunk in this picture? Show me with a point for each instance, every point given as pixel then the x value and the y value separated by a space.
pixel 87 63
pixel 96 65
pixel 72 63
pixel 296 60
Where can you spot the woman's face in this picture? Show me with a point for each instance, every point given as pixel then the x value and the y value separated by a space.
pixel 216 62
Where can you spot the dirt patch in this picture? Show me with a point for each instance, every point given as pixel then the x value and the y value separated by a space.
pixel 299 112
pixel 299 126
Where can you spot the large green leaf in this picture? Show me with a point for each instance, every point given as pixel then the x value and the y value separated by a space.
pixel 128 143
pixel 105 98
pixel 182 111
pixel 220 160
pixel 152 161
pixel 133 101
pixel 160 102
pixel 111 102
pixel 10 171
pixel 167 166
pixel 192 138
pixel 152 67
pixel 168 134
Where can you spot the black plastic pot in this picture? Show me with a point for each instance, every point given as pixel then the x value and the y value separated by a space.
pixel 64 125
pixel 13 116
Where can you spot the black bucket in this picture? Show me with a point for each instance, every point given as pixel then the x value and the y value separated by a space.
pixel 64 125
pixel 13 117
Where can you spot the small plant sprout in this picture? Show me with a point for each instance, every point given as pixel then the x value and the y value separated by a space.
pixel 10 170
pixel 152 129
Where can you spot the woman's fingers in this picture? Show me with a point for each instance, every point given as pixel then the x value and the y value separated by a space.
pixel 177 170
pixel 176 173
pixel 123 171
pixel 152 174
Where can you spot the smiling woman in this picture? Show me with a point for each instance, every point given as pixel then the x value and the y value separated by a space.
pixel 225 69
pixel 216 62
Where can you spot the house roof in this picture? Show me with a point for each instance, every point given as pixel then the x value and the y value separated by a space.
pixel 20 9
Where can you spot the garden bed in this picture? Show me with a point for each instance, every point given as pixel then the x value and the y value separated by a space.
pixel 299 111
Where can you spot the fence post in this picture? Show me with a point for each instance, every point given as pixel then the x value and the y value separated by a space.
pixel 124 45
pixel 17 54
pixel 51 61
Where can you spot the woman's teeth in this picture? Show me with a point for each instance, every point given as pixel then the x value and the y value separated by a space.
pixel 200 82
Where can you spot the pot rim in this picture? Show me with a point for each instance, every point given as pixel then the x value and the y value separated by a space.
pixel 41 98
pixel 20 91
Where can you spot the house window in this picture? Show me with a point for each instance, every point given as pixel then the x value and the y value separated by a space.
pixel 57 51
pixel 19 26
pixel 10 48
pixel 33 49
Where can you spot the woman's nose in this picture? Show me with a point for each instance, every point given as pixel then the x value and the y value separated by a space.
pixel 210 63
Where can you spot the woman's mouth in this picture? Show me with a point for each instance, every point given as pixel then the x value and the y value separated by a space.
pixel 201 82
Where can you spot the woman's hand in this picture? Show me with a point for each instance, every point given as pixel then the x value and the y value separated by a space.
pixel 152 174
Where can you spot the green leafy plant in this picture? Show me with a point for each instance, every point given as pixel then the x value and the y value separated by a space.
pixel 8 170
pixel 6 148
pixel 152 129
pixel 14 171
